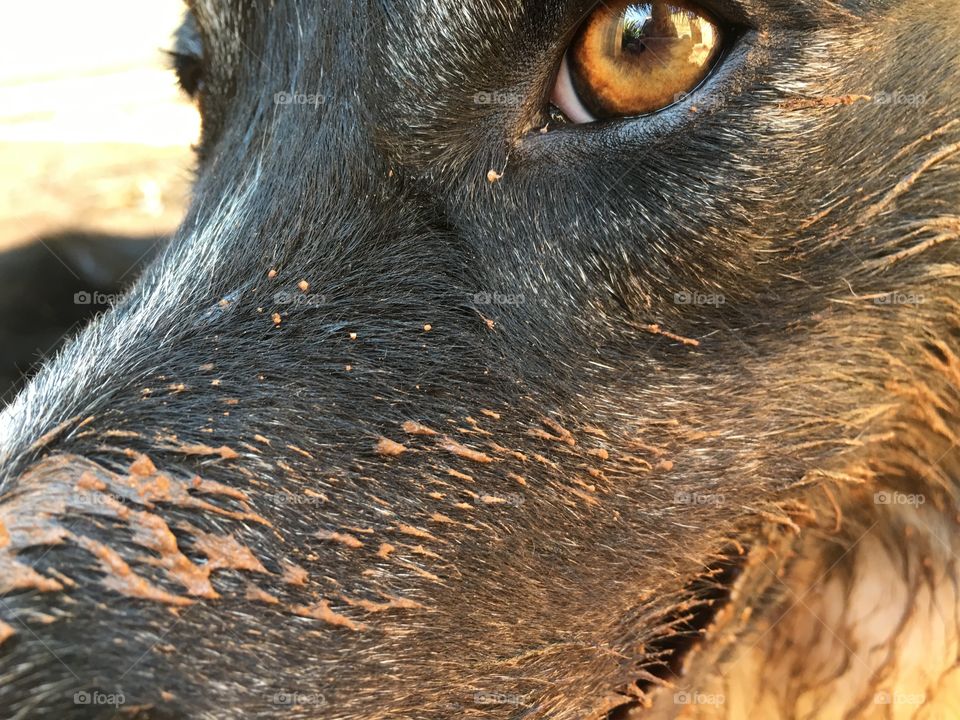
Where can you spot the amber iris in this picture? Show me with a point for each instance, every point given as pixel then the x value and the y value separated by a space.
pixel 631 58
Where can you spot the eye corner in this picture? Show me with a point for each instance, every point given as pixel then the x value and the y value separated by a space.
pixel 188 70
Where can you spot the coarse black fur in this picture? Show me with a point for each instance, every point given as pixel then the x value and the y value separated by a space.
pixel 609 467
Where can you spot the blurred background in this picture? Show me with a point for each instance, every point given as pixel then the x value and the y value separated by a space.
pixel 94 133
pixel 95 164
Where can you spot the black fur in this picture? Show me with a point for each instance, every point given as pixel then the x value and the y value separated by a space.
pixel 534 573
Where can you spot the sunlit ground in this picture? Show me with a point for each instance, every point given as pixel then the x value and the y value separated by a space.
pixel 94 132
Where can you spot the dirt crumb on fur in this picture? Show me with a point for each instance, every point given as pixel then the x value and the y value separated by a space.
pixel 463 451
pixel 389 448
pixel 412 427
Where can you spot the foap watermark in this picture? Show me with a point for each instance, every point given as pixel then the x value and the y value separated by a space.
pixel 899 298
pixel 294 499
pixel 486 697
pixel 299 98
pixel 299 299
pixel 497 97
pixel 899 698
pixel 892 497
pixel 289 698
pixel 697 498
pixel 85 297
pixel 686 297
pixel 96 499
pixel 97 697
pixel 698 698
pixel 510 499
pixel 485 297
pixel 898 97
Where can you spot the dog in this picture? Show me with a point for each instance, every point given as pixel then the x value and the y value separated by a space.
pixel 517 360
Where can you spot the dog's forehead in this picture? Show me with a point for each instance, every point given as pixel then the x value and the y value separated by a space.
pixel 309 22
pixel 414 60
pixel 488 17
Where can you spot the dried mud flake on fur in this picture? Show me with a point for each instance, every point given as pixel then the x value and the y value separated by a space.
pixel 6 632
pixel 322 611
pixel 294 574
pixel 463 451
pixel 119 577
pixel 390 603
pixel 389 448
pixel 345 539
pixel 225 552
pixel 412 427
pixel 255 593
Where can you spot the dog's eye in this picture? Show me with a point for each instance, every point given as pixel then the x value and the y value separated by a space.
pixel 634 58
pixel 189 70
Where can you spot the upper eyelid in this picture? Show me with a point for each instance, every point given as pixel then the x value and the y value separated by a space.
pixel 187 40
pixel 730 12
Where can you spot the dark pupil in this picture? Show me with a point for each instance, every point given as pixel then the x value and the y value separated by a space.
pixel 645 25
